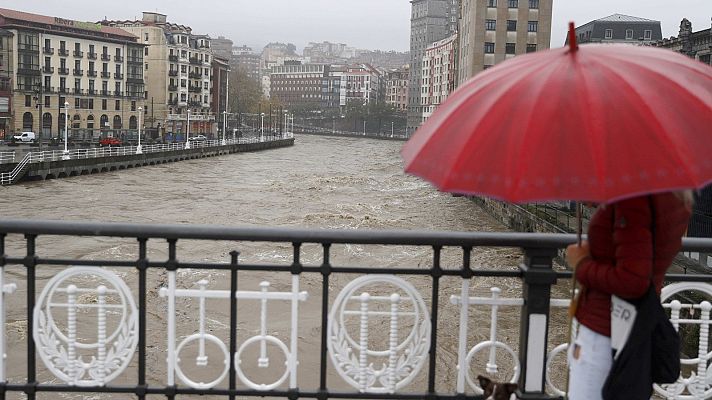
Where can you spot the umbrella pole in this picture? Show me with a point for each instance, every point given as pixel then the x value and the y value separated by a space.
pixel 574 300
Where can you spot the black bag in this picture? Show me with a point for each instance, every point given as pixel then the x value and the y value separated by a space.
pixel 652 352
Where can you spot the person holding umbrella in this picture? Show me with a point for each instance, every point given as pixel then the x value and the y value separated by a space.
pixel 627 127
pixel 619 259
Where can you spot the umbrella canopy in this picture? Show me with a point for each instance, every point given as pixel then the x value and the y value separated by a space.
pixel 596 123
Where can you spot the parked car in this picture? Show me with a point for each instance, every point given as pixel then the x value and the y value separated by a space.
pixel 197 138
pixel 109 141
pixel 27 137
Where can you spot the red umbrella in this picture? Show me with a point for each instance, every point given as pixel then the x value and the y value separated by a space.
pixel 596 123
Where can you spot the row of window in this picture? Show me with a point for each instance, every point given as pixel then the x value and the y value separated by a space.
pixel 28 121
pixel 509 48
pixel 79 103
pixel 78 67
pixel 78 49
pixel 647 34
pixel 533 4
pixel 491 25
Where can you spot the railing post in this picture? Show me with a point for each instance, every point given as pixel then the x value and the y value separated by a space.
pixel 538 276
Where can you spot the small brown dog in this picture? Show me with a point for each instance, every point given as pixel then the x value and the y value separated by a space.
pixel 496 390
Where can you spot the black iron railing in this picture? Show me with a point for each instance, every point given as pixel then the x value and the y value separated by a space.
pixel 535 271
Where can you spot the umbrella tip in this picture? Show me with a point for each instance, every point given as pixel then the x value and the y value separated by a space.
pixel 573 45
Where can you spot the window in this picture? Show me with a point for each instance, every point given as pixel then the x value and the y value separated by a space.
pixel 491 3
pixel 629 34
pixel 647 34
pixel 513 3
pixel 146 66
pixel 48 44
pixel 103 104
pixel 145 36
pixel 47 101
pixel 62 44
pixel 117 105
pixel 533 26
pixel 534 4
pixel 510 48
pixel 145 51
pixel 609 34
pixel 91 104
pixel 511 25
pixel 77 103
pixel 28 100
pixel 531 48
pixel 490 24
pixel 133 106
pixel 489 48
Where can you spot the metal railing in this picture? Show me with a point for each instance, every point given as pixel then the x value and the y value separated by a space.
pixel 7 157
pixel 8 178
pixel 374 331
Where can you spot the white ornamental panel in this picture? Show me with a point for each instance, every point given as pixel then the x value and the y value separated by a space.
pixel 86 326
pixel 365 362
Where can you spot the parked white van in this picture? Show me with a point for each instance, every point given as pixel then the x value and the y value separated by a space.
pixel 25 137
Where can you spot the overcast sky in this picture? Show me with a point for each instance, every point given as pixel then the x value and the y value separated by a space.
pixel 369 24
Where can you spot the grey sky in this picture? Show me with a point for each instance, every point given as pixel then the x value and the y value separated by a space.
pixel 369 24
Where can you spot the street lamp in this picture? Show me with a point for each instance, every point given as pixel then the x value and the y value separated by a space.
pixel 364 127
pixel 224 142
pixel 262 127
pixel 138 148
pixel 391 128
pixel 187 133
pixel 333 125
pixel 65 154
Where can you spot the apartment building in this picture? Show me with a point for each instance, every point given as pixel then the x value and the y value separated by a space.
pixel 397 87
pixel 492 31
pixel 438 75
pixel 297 85
pixel 178 69
pixel 697 45
pixel 96 70
pixel 619 28
pixel 6 75
pixel 219 88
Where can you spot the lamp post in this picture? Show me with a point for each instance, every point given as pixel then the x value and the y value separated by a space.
pixel 65 154
pixel 333 125
pixel 224 142
pixel 364 127
pixel 187 132
pixel 391 128
pixel 262 127
pixel 138 148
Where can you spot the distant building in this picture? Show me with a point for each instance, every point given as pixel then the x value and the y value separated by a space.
pixel 97 70
pixel 382 59
pixel 438 74
pixel 327 52
pixel 397 87
pixel 222 47
pixel 619 28
pixel 243 58
pixel 178 72
pixel 362 84
pixel 219 87
pixel 296 84
pixel 697 45
pixel 6 75
pixel 431 21
pixel 492 31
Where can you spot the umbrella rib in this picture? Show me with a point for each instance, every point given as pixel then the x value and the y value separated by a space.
pixel 671 145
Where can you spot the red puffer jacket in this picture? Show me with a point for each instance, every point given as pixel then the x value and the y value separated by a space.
pixel 620 239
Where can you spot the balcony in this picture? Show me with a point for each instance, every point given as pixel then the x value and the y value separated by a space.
pixel 105 57
pixel 173 102
pixel 78 91
pixel 28 69
pixel 48 50
pixel 426 320
pixel 48 89
pixel 195 89
pixel 173 72
pixel 118 58
pixel 172 88
pixel 63 71
pixel 28 47
pixel 78 72
pixel 195 104
pixel 118 75
pixel 91 56
pixel 134 78
pixel 91 92
pixel 134 60
pixel 63 90
pixel 47 70
pixel 91 73
pixel 118 93
pixel 195 75
pixel 63 52
pixel 78 54
pixel 173 58
pixel 135 95
pixel 105 74
pixel 105 92
pixel 195 61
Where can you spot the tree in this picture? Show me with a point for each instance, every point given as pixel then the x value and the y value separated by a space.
pixel 245 92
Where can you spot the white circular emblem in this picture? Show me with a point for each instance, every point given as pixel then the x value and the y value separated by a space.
pixel 86 326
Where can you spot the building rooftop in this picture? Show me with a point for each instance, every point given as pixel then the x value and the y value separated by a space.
pixel 8 16
pixel 623 18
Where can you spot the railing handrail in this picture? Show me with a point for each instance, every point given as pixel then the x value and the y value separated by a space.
pixel 298 235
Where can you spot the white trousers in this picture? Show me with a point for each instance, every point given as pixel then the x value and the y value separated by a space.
pixel 590 360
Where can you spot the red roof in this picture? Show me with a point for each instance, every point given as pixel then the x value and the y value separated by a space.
pixel 55 21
